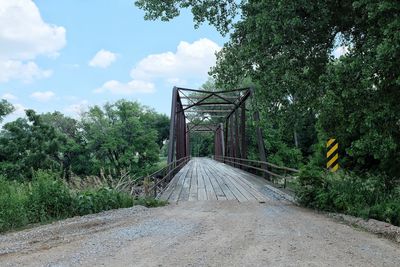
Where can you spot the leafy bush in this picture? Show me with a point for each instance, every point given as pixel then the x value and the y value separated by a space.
pixel 367 196
pixel 13 211
pixel 49 198
pixel 92 201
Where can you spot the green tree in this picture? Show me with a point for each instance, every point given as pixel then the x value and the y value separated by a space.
pixel 74 155
pixel 216 12
pixel 119 138
pixel 27 145
pixel 5 109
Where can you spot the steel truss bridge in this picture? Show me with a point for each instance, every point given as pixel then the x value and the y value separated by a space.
pixel 225 115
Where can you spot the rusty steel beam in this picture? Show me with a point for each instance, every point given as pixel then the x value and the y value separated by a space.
pixel 200 97
pixel 229 135
pixel 211 104
pixel 243 131
pixel 208 111
pixel 172 133
pixel 205 91
pixel 237 140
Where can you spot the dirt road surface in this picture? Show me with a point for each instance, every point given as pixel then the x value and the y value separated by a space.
pixel 201 233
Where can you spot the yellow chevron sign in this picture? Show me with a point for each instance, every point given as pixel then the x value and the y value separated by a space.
pixel 332 155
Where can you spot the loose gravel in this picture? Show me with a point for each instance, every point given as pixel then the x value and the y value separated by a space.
pixel 201 233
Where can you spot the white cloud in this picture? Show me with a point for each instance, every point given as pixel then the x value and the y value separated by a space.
pixel 103 59
pixel 27 72
pixel 191 60
pixel 23 33
pixel 19 110
pixel 175 81
pixel 9 96
pixel 23 37
pixel 77 108
pixel 43 96
pixel 132 87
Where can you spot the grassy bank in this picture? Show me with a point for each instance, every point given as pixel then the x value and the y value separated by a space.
pixel 367 196
pixel 47 198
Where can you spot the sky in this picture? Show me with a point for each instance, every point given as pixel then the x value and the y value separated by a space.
pixel 67 55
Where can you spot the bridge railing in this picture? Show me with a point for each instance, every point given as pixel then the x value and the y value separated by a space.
pixel 155 183
pixel 279 175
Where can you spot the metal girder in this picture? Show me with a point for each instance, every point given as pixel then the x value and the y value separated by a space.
pixel 229 130
pixel 211 104
pixel 200 97
pixel 208 111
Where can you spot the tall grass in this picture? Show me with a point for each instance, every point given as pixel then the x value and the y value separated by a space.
pixel 47 198
pixel 368 196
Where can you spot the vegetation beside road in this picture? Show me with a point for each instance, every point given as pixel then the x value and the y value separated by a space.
pixel 320 69
pixel 47 198
pixel 42 155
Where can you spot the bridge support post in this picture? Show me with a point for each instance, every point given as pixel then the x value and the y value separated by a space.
pixel 243 132
pixel 226 138
pixel 172 134
pixel 221 126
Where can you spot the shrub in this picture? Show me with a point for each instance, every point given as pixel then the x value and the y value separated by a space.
pixel 13 211
pixel 92 201
pixel 49 198
pixel 367 196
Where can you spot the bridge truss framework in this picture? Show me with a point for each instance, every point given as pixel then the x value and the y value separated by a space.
pixel 220 112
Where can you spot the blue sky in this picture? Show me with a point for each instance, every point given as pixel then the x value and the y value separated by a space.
pixel 48 54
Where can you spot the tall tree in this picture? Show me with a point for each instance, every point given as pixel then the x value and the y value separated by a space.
pixel 119 139
pixel 218 13
pixel 5 109
pixel 27 145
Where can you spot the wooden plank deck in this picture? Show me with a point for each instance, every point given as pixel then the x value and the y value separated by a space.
pixel 206 179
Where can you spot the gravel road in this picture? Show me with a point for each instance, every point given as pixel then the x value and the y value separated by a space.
pixel 202 233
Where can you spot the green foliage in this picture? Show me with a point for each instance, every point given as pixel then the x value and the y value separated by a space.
pixel 93 201
pixel 118 138
pixel 218 13
pixel 201 144
pixel 362 117
pixel 47 198
pixel 306 96
pixel 5 109
pixel 123 137
pixel 149 202
pixel 13 198
pixel 366 196
pixel 27 145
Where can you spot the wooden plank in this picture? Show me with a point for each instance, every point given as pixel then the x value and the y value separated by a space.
pixel 256 181
pixel 211 195
pixel 220 194
pixel 223 183
pixel 174 197
pixel 228 182
pixel 215 184
pixel 172 185
pixel 239 177
pixel 201 188
pixel 206 179
pixel 193 182
pixel 243 183
pixel 184 196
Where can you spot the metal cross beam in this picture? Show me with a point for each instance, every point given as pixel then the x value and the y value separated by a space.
pixel 220 112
